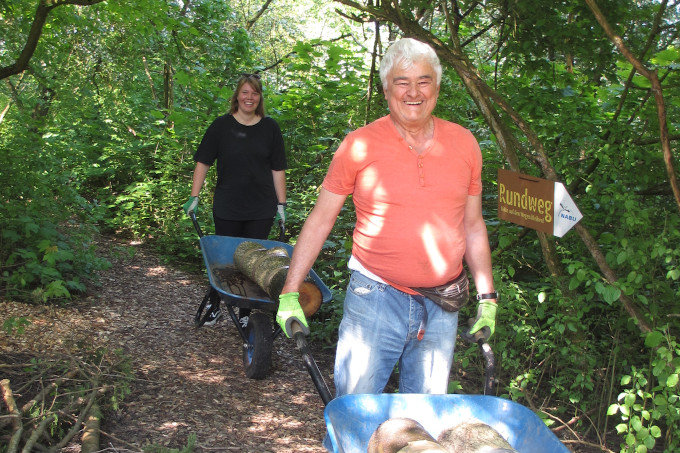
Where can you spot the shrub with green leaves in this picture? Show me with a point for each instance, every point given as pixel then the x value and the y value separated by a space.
pixel 649 403
pixel 46 248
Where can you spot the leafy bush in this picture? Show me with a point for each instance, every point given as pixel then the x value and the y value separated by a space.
pixel 649 403
pixel 46 248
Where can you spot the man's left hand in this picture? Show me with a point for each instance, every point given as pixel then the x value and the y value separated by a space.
pixel 486 318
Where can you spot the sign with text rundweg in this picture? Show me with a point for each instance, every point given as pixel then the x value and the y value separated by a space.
pixel 536 203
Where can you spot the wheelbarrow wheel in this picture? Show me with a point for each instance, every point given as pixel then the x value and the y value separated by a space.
pixel 257 350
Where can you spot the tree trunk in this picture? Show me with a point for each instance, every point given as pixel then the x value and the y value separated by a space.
pixel 168 85
pixel 268 268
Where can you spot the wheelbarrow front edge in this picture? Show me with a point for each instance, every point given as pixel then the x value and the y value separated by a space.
pixel 352 419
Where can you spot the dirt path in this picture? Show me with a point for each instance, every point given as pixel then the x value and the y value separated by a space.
pixel 187 380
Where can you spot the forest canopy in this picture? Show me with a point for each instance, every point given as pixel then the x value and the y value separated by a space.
pixel 103 103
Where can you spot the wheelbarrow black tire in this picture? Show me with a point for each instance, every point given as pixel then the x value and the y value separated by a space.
pixel 257 350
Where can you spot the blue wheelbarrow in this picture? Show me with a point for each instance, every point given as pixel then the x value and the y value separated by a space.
pixel 352 419
pixel 229 286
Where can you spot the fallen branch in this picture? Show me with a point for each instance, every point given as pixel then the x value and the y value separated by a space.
pixel 78 423
pixel 17 426
pixel 67 404
pixel 37 432
pixel 90 442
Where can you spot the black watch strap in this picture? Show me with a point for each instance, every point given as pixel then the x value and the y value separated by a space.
pixel 493 295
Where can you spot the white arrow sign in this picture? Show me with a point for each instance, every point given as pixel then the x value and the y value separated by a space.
pixel 566 213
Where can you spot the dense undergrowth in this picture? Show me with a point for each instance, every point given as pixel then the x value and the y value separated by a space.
pixel 95 151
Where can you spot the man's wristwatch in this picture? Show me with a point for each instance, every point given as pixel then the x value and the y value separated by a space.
pixel 493 295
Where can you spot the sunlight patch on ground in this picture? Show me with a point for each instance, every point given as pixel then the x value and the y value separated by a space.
pixel 171 427
pixel 159 270
pixel 202 376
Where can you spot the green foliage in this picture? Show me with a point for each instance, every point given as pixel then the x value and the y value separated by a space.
pixel 649 406
pixel 99 136
pixel 46 252
pixel 15 326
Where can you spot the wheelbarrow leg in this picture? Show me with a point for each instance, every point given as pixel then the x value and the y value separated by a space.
pixel 212 300
pixel 239 326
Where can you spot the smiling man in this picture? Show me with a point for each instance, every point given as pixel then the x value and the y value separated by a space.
pixel 416 185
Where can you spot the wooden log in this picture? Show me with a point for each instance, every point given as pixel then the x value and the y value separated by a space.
pixel 17 425
pixel 473 437
pixel 402 435
pixel 90 440
pixel 268 268
pixel 246 254
pixel 310 297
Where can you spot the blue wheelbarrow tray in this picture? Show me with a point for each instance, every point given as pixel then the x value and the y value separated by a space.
pixel 352 419
pixel 218 253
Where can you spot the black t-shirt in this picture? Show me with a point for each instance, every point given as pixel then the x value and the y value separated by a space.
pixel 246 156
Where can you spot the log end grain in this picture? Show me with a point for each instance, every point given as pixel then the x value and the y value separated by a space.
pixel 310 298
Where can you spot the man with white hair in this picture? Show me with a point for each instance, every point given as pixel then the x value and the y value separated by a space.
pixel 416 185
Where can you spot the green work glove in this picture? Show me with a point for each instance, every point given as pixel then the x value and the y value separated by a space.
pixel 281 213
pixel 289 311
pixel 191 205
pixel 486 318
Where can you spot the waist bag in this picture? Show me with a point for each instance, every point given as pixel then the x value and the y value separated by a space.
pixel 451 296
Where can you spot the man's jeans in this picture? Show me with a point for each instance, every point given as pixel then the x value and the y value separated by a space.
pixel 379 329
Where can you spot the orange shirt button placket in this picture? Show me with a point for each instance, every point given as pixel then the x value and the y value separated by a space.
pixel 421 171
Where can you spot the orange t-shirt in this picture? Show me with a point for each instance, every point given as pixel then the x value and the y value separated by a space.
pixel 409 207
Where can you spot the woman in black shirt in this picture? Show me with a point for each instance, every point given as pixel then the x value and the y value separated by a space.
pixel 250 158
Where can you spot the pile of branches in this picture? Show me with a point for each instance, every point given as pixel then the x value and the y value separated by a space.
pixel 51 402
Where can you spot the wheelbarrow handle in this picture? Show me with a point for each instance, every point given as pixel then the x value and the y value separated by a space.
pixel 282 231
pixel 489 359
pixel 310 364
pixel 192 215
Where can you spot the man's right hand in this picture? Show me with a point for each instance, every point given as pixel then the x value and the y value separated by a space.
pixel 289 311
pixel 191 205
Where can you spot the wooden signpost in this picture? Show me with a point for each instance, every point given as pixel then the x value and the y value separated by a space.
pixel 536 203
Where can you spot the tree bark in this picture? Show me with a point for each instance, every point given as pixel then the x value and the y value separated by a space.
pixel 374 57
pixel 168 85
pixel 148 76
